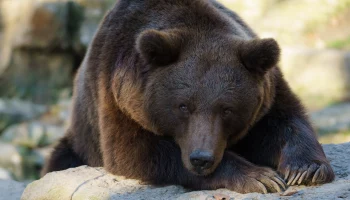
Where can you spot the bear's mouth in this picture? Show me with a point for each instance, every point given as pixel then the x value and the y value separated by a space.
pixel 200 171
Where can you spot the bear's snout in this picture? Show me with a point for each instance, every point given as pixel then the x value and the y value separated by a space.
pixel 202 160
pixel 203 144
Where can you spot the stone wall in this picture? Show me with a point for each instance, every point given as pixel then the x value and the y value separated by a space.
pixel 43 43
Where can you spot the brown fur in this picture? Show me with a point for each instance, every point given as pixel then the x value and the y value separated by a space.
pixel 166 78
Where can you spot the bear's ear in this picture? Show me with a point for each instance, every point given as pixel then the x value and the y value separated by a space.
pixel 259 55
pixel 159 47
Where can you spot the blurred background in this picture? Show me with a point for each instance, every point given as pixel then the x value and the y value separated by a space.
pixel 42 43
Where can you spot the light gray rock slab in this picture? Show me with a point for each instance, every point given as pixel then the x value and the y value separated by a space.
pixel 95 183
pixel 11 190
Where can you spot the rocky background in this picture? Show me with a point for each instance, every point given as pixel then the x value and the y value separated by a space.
pixel 42 43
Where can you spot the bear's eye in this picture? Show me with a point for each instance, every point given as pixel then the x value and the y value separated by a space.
pixel 226 112
pixel 183 108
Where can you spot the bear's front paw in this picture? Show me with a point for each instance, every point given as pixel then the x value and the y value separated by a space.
pixel 261 180
pixel 307 174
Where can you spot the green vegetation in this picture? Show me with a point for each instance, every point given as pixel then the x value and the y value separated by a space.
pixel 343 43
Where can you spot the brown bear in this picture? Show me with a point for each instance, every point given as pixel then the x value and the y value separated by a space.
pixel 184 92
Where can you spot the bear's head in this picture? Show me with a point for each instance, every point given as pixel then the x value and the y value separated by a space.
pixel 205 90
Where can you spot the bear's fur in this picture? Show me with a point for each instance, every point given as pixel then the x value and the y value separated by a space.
pixel 164 80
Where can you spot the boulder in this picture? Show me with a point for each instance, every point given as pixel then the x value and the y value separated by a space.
pixel 95 183
pixel 41 24
pixel 43 43
pixel 39 76
pixel 41 48
pixel 22 162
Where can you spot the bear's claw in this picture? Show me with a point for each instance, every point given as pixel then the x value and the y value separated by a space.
pixel 268 180
pixel 308 174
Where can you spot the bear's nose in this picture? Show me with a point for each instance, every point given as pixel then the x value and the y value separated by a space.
pixel 202 159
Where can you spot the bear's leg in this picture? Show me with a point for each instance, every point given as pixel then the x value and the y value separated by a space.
pixel 133 152
pixel 62 157
pixel 302 160
pixel 289 146
pixel 285 140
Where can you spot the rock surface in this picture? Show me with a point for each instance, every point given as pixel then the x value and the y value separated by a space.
pixel 11 190
pixel 94 183
pixel 43 43
pixel 21 162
